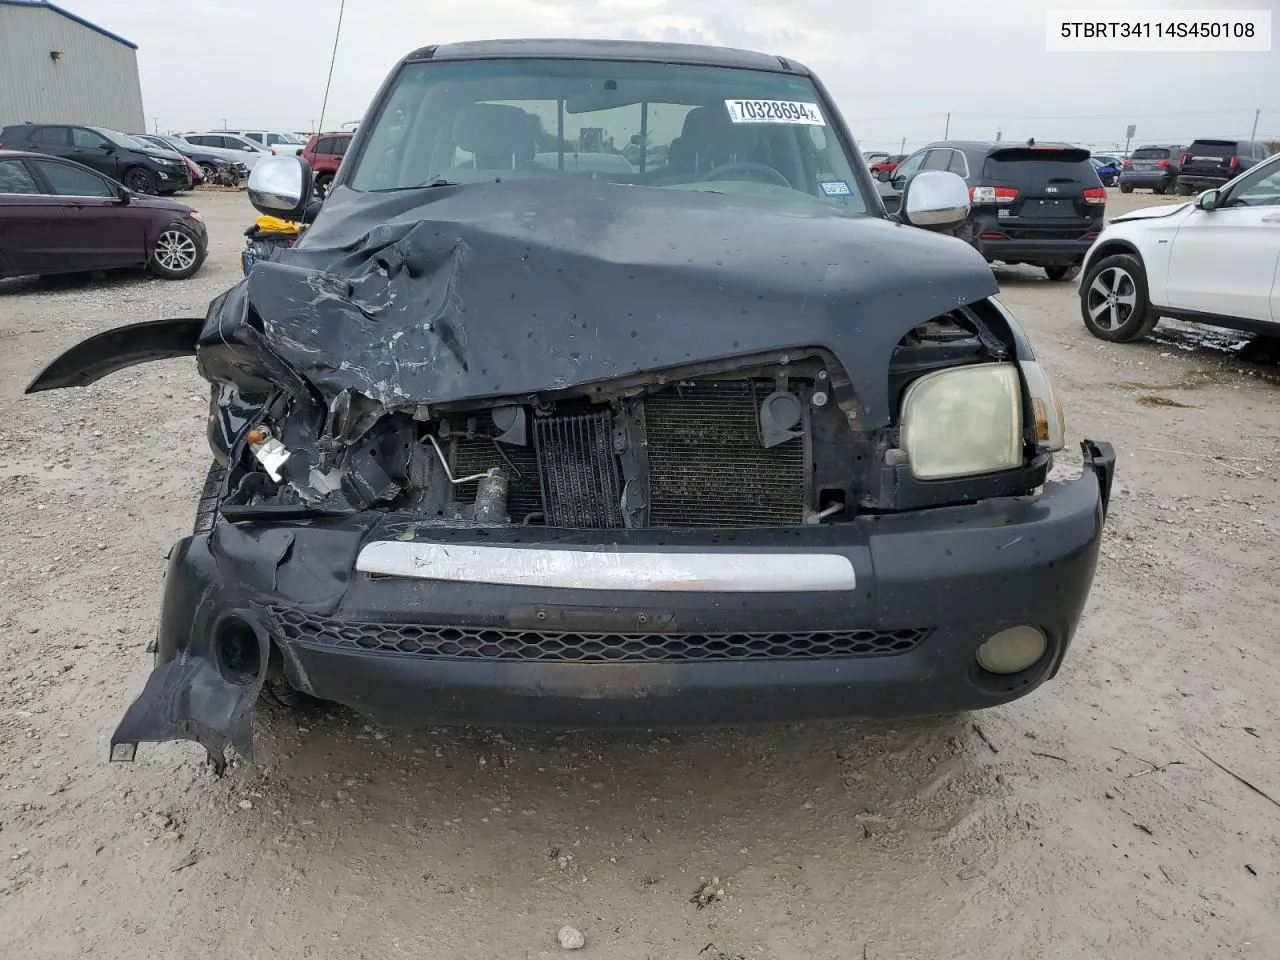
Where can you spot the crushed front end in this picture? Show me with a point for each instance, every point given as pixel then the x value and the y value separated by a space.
pixel 784 514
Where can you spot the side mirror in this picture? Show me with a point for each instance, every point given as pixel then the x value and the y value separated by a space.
pixel 281 187
pixel 313 210
pixel 1209 200
pixel 935 200
pixel 123 195
pixel 884 176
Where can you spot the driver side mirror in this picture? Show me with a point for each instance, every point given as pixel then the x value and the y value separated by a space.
pixel 935 200
pixel 884 176
pixel 281 186
pixel 1209 200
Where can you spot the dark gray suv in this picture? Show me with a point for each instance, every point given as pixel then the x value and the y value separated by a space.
pixel 1153 167
pixel 1211 163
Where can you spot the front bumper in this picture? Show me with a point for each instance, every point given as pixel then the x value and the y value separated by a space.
pixel 247 600
pixel 171 180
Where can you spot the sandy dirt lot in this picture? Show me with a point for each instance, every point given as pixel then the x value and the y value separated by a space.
pixel 1092 819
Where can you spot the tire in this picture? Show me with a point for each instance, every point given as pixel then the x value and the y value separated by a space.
pixel 177 253
pixel 1183 190
pixel 1059 272
pixel 209 171
pixel 1126 188
pixel 322 184
pixel 207 509
pixel 139 180
pixel 1116 290
pixel 1161 188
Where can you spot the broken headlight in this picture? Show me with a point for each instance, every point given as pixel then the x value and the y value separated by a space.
pixel 964 421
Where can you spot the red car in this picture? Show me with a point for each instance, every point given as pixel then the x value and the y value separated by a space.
pixel 58 216
pixel 889 164
pixel 324 152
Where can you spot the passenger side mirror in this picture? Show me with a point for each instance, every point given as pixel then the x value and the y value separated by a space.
pixel 935 200
pixel 884 176
pixel 281 187
pixel 1209 200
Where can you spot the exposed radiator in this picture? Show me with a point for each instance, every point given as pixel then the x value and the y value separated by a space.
pixel 706 464
pixel 581 479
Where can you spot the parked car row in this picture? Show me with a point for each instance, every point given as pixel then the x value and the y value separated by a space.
pixel 1181 169
pixel 142 167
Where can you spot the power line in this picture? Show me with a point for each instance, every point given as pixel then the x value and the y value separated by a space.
pixel 342 6
pixel 1140 115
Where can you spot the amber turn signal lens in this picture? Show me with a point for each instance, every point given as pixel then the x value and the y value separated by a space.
pixel 259 436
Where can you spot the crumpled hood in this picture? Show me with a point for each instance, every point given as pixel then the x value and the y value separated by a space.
pixel 454 293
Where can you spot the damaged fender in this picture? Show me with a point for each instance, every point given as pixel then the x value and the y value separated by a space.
pixel 101 355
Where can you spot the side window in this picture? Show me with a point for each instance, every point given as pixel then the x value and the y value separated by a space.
pixel 324 145
pixel 198 140
pixel 340 145
pixel 87 139
pixel 958 165
pixel 936 160
pixel 1261 189
pixel 16 178
pixel 53 136
pixel 69 181
pixel 256 137
pixel 909 165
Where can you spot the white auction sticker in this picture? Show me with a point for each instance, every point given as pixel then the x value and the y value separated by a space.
pixel 774 111
pixel 1169 31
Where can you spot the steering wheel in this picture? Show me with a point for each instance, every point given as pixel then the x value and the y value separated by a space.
pixel 748 166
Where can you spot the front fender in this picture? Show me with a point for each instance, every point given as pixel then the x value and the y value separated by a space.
pixel 105 353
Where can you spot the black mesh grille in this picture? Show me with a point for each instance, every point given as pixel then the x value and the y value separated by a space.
pixel 581 484
pixel 481 454
pixel 482 643
pixel 707 467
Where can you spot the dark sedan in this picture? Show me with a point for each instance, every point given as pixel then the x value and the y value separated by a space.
pixel 57 216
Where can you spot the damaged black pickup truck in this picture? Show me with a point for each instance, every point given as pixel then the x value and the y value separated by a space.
pixel 602 391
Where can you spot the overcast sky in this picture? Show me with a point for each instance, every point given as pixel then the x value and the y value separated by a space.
pixel 895 67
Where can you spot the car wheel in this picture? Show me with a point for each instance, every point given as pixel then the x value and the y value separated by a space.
pixel 322 184
pixel 1126 188
pixel 1113 300
pixel 1183 190
pixel 209 171
pixel 177 254
pixel 140 180
pixel 1059 272
pixel 207 509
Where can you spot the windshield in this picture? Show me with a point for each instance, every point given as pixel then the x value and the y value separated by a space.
pixel 727 130
pixel 120 140
pixel 274 138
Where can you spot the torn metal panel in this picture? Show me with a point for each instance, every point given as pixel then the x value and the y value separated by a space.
pixel 103 354
pixel 449 294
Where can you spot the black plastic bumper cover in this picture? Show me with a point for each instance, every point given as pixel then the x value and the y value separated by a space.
pixel 961 572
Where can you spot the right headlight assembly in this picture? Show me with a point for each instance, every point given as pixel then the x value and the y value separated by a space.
pixel 963 422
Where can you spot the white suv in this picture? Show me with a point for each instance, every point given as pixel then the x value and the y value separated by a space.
pixel 1214 260
pixel 281 144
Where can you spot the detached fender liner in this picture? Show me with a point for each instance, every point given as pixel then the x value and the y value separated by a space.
pixel 112 350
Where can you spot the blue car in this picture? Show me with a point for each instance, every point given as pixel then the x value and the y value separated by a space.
pixel 1108 169
pixel 210 164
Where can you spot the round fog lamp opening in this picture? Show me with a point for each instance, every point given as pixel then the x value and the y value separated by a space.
pixel 1012 650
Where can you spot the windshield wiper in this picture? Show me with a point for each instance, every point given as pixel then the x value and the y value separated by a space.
pixel 438 182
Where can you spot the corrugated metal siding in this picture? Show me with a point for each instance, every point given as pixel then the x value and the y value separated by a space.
pixel 94 82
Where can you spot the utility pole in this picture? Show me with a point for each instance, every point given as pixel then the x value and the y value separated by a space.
pixel 224 123
pixel 947 132
pixel 155 125
pixel 1256 114
pixel 902 148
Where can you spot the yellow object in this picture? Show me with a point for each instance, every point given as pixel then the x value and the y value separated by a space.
pixel 276 225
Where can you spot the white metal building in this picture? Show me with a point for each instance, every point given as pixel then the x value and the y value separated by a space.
pixel 56 67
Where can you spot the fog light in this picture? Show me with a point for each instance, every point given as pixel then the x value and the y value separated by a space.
pixel 1012 650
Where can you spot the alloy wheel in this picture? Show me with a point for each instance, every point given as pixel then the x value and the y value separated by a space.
pixel 1113 295
pixel 175 251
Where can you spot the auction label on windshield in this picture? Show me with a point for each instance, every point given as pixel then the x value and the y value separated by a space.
pixel 774 111
pixel 1168 31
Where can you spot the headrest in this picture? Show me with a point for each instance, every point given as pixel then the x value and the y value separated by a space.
pixel 494 131
pixel 709 132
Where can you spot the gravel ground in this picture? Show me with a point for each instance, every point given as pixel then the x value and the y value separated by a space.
pixel 1107 815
